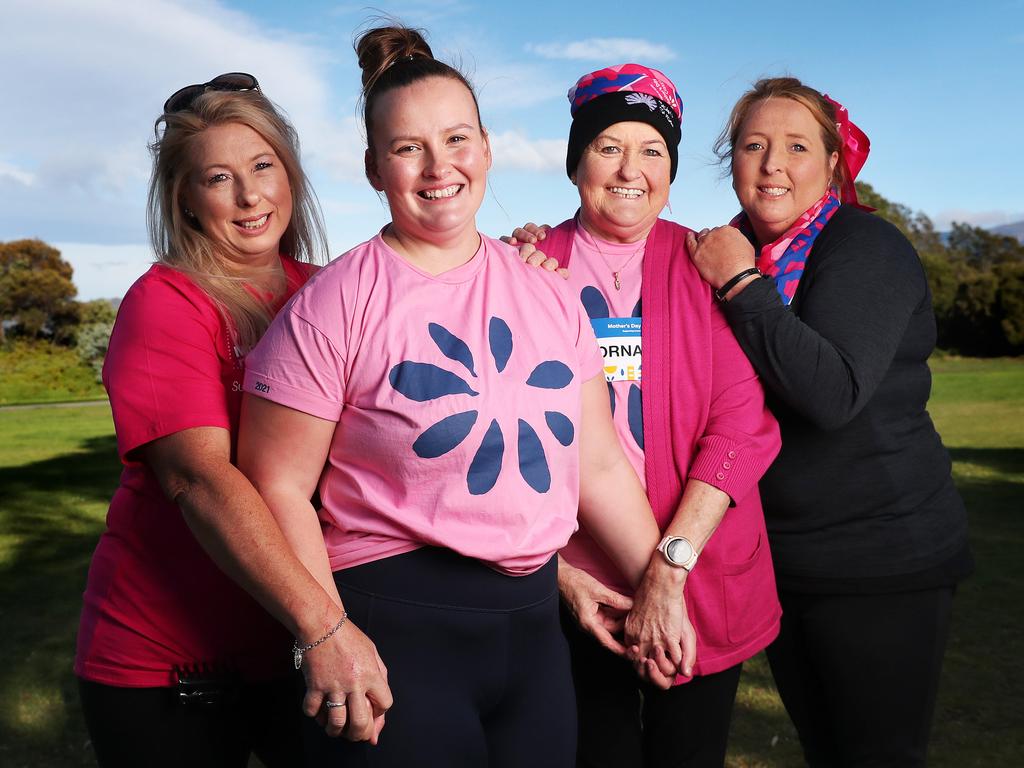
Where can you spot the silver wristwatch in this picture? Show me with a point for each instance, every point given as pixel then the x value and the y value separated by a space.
pixel 678 552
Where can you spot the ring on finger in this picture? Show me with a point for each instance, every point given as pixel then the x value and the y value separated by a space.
pixel 334 704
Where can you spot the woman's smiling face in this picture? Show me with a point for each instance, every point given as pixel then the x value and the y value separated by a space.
pixel 430 157
pixel 779 165
pixel 623 178
pixel 239 194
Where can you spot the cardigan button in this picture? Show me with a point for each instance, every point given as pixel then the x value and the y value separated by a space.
pixel 726 465
pixel 732 454
pixel 720 475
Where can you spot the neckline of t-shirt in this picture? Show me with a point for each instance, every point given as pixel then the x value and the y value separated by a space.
pixel 460 274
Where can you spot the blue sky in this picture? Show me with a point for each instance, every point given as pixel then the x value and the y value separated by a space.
pixel 937 87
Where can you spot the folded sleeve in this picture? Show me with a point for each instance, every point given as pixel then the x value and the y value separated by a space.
pixel 297 365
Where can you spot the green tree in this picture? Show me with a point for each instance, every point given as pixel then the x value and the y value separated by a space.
pixel 37 296
pixel 976 278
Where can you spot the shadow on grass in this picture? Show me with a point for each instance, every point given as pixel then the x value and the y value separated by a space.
pixel 53 514
pixel 979 720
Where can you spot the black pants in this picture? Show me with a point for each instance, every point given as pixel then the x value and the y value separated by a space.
pixel 624 723
pixel 859 674
pixel 476 662
pixel 132 727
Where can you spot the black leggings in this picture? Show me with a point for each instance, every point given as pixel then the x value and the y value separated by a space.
pixel 476 662
pixel 132 727
pixel 624 723
pixel 859 673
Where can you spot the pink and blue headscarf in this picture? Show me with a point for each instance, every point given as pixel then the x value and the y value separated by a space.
pixel 624 93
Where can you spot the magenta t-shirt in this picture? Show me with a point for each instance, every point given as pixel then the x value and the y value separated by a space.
pixel 154 599
pixel 456 397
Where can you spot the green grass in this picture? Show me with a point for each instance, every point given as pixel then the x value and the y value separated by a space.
pixel 58 468
pixel 39 372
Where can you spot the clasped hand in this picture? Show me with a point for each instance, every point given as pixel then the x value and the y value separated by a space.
pixel 347 672
pixel 659 639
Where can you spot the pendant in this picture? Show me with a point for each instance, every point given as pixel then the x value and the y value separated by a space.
pixel 298 658
pixel 618 285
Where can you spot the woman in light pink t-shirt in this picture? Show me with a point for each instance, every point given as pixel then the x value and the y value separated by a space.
pixel 446 402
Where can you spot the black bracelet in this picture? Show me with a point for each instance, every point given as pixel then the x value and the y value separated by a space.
pixel 720 294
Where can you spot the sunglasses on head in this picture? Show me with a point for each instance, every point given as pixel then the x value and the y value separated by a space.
pixel 183 98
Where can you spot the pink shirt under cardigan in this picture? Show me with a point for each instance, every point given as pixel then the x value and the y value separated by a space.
pixel 704 417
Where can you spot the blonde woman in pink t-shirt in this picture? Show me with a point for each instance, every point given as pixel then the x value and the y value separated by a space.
pixel 690 413
pixel 448 405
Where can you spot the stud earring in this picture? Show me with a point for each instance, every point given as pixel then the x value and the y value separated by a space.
pixel 188 212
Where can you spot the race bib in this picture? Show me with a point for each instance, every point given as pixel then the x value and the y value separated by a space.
pixel 619 339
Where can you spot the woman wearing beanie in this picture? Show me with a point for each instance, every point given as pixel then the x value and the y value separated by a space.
pixel 695 428
pixel 868 532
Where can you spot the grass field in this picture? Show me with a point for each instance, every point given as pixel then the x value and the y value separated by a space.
pixel 58 467
pixel 40 372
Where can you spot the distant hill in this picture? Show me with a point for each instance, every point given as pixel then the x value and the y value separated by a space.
pixel 1010 230
pixel 1013 230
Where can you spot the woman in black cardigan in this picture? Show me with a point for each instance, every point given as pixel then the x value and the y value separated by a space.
pixel 868 533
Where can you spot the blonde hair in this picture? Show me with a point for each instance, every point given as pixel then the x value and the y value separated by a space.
pixel 178 241
pixel 785 88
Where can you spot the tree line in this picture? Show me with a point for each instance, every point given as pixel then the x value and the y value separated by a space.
pixel 976 278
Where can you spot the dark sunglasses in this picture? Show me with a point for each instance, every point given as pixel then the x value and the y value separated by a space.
pixel 183 98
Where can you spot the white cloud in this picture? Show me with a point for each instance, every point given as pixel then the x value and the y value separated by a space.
pixel 12 172
pixel 613 50
pixel 83 83
pixel 992 218
pixel 514 151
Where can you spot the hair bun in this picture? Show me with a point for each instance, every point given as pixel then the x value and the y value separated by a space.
pixel 380 48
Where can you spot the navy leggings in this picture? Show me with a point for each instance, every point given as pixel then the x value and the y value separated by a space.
pixel 859 674
pixel 476 662
pixel 625 723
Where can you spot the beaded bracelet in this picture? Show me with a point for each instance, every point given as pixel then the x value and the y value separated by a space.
pixel 298 650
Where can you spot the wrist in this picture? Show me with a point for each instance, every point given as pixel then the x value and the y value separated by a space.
pixel 735 285
pixel 300 648
pixel 666 576
pixel 316 623
pixel 740 286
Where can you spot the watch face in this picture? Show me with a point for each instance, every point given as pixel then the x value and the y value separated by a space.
pixel 679 551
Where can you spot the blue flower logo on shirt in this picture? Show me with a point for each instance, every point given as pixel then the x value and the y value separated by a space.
pixel 425 381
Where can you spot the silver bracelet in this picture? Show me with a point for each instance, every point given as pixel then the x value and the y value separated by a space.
pixel 298 650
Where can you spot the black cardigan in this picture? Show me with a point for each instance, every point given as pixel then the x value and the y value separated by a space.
pixel 862 487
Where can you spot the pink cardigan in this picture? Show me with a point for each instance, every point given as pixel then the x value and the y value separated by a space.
pixel 704 417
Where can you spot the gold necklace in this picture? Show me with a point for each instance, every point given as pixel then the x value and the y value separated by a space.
pixel 617 272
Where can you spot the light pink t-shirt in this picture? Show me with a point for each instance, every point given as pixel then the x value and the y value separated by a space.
pixel 457 399
pixel 615 316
